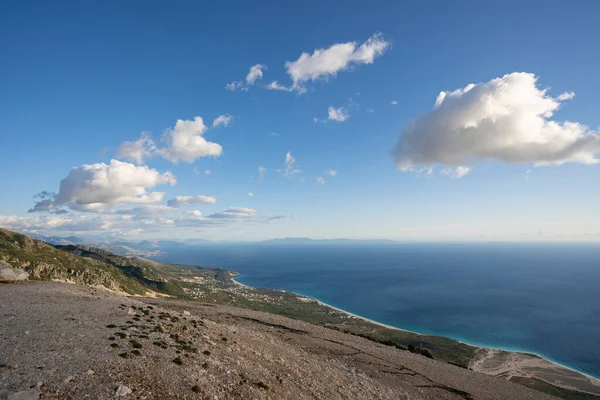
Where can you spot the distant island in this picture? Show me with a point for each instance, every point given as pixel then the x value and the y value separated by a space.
pixel 177 287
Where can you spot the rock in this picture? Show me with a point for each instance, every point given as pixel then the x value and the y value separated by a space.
pixel 68 379
pixel 90 372
pixel 13 275
pixel 130 311
pixel 186 313
pixel 122 390
pixel 25 395
pixel 39 384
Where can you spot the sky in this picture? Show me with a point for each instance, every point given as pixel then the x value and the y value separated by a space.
pixel 230 120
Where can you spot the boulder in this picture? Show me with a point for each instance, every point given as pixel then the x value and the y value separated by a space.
pixel 13 275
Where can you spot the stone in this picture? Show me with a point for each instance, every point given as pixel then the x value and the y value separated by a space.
pixel 122 391
pixel 186 313
pixel 90 372
pixel 13 275
pixel 68 379
pixel 24 395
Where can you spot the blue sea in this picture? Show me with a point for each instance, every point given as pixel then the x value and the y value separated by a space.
pixel 539 298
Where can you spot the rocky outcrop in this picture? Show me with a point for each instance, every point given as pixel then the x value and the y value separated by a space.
pixel 9 274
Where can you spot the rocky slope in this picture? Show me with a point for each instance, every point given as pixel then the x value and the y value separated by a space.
pixel 73 342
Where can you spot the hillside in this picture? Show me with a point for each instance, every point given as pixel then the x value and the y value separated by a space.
pixel 107 345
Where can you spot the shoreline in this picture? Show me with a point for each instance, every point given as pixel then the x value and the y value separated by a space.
pixel 476 346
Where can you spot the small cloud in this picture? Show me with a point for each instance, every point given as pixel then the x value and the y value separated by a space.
pixel 457 172
pixel 527 173
pixel 321 180
pixel 393 102
pixel 276 86
pixel 277 217
pixel 250 194
pixel 222 120
pixel 331 172
pixel 337 114
pixel 290 167
pixel 255 74
pixel 274 134
pixel 261 172
pixel 370 111
pixel 566 96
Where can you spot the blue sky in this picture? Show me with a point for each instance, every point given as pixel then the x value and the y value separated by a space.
pixel 78 79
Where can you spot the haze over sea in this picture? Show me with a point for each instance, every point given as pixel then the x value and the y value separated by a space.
pixel 540 298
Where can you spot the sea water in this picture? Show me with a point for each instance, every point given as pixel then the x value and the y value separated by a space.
pixel 540 298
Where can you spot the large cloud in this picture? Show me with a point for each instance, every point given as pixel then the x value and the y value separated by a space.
pixel 97 187
pixel 185 142
pixel 506 119
pixel 184 200
pixel 324 63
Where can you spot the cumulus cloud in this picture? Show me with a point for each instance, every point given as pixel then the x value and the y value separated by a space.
pixel 321 180
pixel 331 172
pixel 234 213
pixel 250 194
pixel 290 165
pixel 325 63
pixel 507 119
pixel 137 151
pixel 255 74
pixel 223 120
pixel 337 114
pixel 186 143
pixel 184 200
pixel 96 187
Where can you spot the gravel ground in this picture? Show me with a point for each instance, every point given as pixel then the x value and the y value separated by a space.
pixel 64 341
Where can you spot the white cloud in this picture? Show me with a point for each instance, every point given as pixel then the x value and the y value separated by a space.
pixel 250 194
pixel 457 172
pixel 290 165
pixel 321 180
pixel 195 214
pixel 315 120
pixel 370 110
pixel 331 172
pixel 222 120
pixel 324 63
pixel 184 200
pixel 137 151
pixel 185 142
pixel 393 102
pixel 506 119
pixel 337 114
pixel 261 171
pixel 233 213
pixel 566 96
pixel 255 74
pixel 97 187
pixel 276 86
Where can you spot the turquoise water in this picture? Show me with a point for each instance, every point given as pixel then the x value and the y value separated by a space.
pixel 543 299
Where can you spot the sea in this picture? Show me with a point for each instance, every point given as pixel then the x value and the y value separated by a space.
pixel 537 298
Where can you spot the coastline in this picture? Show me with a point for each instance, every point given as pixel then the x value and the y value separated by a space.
pixel 480 348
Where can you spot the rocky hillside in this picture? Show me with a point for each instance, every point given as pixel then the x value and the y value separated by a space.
pixel 106 346
pixel 80 264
